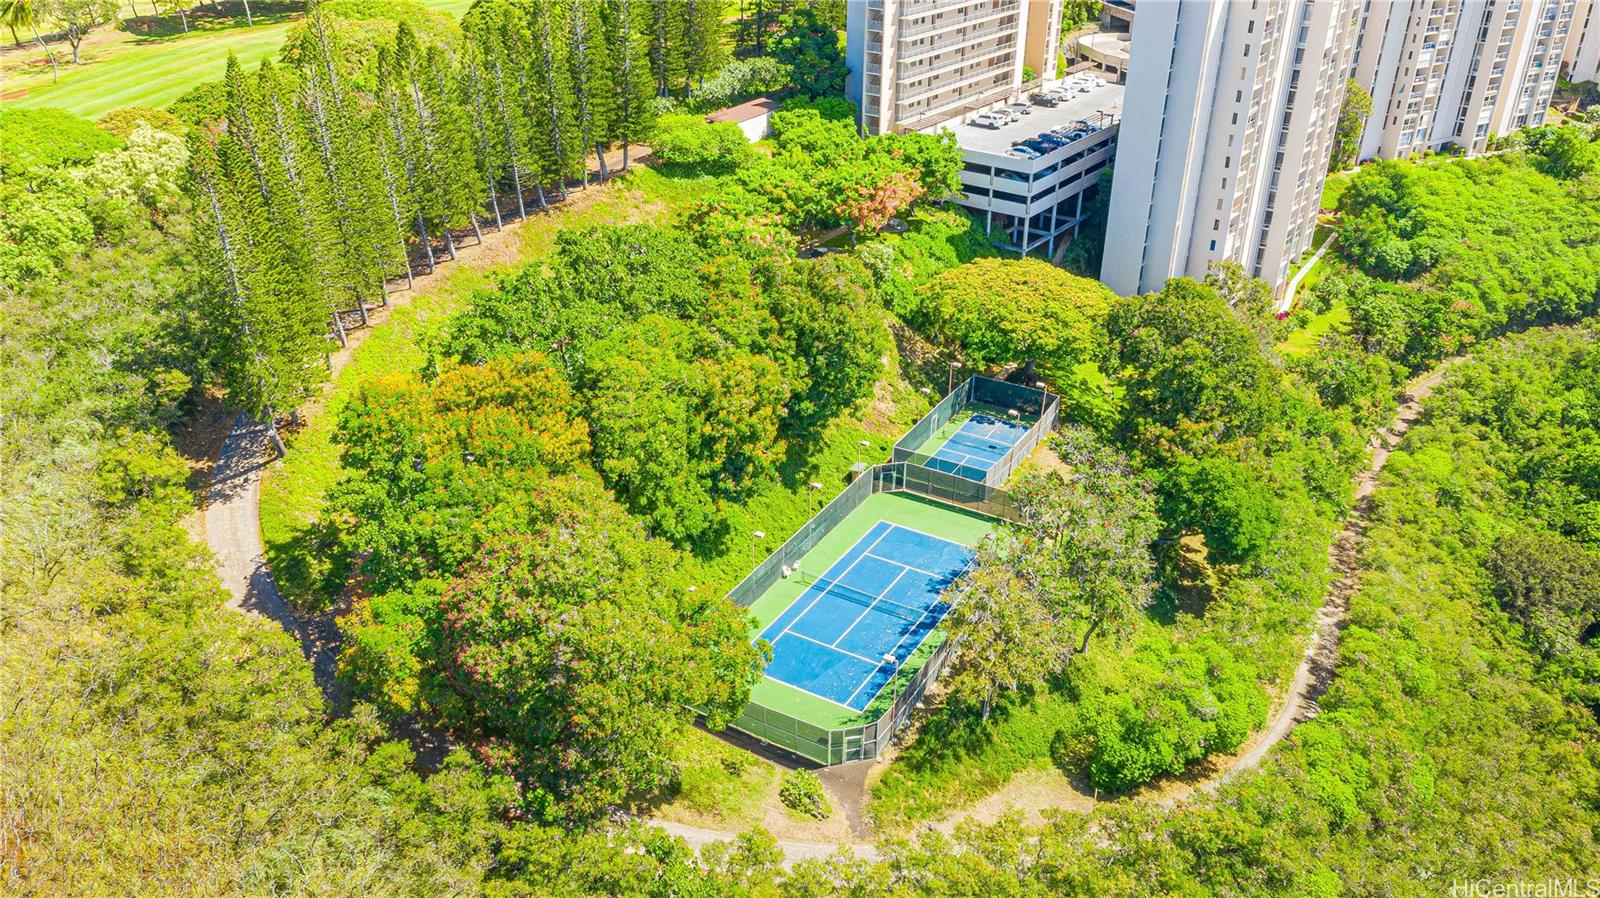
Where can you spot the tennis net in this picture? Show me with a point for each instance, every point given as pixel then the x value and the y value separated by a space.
pixel 834 588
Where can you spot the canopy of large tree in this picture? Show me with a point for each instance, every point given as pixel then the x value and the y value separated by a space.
pixel 996 311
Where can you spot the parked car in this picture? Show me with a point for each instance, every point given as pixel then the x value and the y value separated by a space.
pixel 1044 99
pixel 1010 115
pixel 989 120
pixel 1020 108
pixel 1034 143
pixel 1024 152
pixel 1054 140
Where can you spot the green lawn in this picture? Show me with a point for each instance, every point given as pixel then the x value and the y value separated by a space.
pixel 122 69
pixel 1333 188
pixel 1303 342
pixel 142 73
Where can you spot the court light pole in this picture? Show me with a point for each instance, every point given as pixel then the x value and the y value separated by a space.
pixel 811 490
pixel 755 535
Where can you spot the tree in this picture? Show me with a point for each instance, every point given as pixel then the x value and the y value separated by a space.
pixel 76 18
pixel 558 153
pixel 1086 546
pixel 1228 503
pixel 1566 152
pixel 633 115
pixel 1249 298
pixel 26 14
pixel 432 136
pixel 581 653
pixel 1549 584
pixel 830 325
pixel 1194 375
pixel 705 47
pixel 810 48
pixel 499 33
pixel 1353 112
pixel 273 324
pixel 1008 640
pixel 1000 311
pixel 588 65
pixel 445 465
pixel 641 384
pixel 873 196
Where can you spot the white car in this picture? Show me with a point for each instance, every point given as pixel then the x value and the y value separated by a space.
pixel 990 120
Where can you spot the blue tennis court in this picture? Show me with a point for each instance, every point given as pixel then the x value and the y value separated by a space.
pixel 981 442
pixel 847 634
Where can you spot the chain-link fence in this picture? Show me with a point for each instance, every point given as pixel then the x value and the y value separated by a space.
pixel 1043 407
pixel 804 540
pixel 867 740
pixel 862 742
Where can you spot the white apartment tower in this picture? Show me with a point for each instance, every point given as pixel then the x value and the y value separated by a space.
pixel 1227 126
pixel 916 63
pixel 1454 72
pixel 1582 56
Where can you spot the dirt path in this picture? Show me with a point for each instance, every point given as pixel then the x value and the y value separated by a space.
pixel 232 526
pixel 230 486
pixel 233 531
pixel 1033 792
pixel 1315 673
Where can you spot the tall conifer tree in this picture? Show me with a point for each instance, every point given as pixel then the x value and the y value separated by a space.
pixel 369 241
pixel 633 114
pixel 588 64
pixel 558 150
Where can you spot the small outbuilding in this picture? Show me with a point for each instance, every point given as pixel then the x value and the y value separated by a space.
pixel 754 117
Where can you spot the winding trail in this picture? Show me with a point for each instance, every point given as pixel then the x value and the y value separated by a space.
pixel 232 511
pixel 1315 672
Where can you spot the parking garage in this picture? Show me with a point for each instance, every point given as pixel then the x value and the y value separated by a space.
pixel 1038 201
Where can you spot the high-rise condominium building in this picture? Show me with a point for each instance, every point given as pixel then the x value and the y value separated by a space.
pixel 1227 125
pixel 1453 72
pixel 1582 56
pixel 916 63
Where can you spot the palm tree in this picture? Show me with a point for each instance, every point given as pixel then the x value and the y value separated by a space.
pixel 25 14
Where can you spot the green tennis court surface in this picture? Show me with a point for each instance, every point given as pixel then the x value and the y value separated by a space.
pixel 943 523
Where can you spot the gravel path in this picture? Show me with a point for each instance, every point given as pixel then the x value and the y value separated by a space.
pixel 234 534
pixel 233 531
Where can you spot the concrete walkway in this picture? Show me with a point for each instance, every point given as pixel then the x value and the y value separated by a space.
pixel 1287 303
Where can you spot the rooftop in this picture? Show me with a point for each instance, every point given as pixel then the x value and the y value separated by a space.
pixel 1107 98
pixel 744 111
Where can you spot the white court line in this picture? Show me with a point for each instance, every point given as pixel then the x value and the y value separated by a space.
pixel 833 580
pixel 835 648
pixel 875 600
pixel 909 568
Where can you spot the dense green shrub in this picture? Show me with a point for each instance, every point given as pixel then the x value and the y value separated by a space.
pixel 1169 706
pixel 801 791
pixel 1467 248
pixel 40 139
pixel 691 141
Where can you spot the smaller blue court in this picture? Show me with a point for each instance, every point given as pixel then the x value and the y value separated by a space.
pixel 877 602
pixel 980 443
